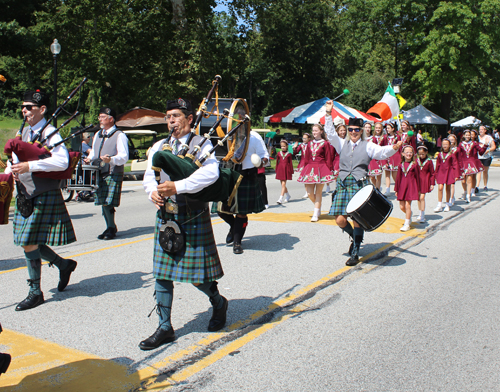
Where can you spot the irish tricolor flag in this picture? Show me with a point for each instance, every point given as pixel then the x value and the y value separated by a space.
pixel 387 108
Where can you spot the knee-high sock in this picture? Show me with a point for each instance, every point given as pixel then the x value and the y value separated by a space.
pixel 348 229
pixel 34 264
pixel 109 216
pixel 228 218
pixel 358 235
pixel 52 257
pixel 211 290
pixel 164 292
pixel 239 228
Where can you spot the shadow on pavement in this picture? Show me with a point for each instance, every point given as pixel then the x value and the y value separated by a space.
pixel 99 285
pixel 270 243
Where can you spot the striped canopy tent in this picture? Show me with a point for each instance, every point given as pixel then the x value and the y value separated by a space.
pixel 314 112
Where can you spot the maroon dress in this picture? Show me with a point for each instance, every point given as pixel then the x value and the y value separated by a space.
pixel 395 160
pixel 375 167
pixel 427 177
pixel 318 163
pixel 468 157
pixel 335 161
pixel 284 166
pixel 446 168
pixel 408 181
pixel 302 149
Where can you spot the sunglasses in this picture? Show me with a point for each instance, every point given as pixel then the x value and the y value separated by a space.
pixel 28 107
pixel 354 129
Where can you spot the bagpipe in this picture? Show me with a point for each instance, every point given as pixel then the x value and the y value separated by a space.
pixel 181 166
pixel 37 149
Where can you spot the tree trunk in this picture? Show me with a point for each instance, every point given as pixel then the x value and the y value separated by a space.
pixel 446 105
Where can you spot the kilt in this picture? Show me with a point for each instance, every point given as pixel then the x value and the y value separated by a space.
pixel 109 191
pixel 199 261
pixel 49 224
pixel 345 191
pixel 249 197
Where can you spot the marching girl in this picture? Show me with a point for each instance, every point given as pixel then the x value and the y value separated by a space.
pixel 477 177
pixel 407 185
pixel 317 169
pixel 447 172
pixel 284 170
pixel 486 158
pixel 426 178
pixel 453 148
pixel 411 140
pixel 394 161
pixel 301 148
pixel 375 167
pixel 468 151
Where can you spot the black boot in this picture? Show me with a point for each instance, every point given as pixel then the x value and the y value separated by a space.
pixel 160 337
pixel 229 219
pixel 358 238
pixel 65 274
pixel 239 228
pixel 32 300
pixel 218 320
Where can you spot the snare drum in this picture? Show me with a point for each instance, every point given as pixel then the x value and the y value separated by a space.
pixel 369 208
pixel 84 178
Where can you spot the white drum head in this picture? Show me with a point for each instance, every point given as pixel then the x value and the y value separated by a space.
pixel 359 198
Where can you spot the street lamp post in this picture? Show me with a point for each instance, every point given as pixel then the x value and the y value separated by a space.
pixel 55 48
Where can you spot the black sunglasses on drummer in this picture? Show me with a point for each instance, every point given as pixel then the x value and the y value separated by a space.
pixel 28 107
pixel 354 129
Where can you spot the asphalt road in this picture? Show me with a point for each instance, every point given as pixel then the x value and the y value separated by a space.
pixel 420 313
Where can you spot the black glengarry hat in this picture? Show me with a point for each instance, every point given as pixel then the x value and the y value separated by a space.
pixel 179 104
pixel 355 122
pixel 109 111
pixel 37 97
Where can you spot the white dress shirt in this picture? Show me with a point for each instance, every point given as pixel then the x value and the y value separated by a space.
pixel 255 146
pixel 58 161
pixel 122 155
pixel 373 150
pixel 201 178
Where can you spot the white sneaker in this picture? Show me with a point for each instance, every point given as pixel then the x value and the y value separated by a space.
pixel 467 200
pixel 305 196
pixel 314 218
pixel 438 209
pixel 472 194
pixel 447 208
pixel 387 192
pixel 280 200
pixel 286 199
pixel 327 190
pixel 421 220
pixel 405 228
pixel 452 201
pixel 267 206
pixel 463 196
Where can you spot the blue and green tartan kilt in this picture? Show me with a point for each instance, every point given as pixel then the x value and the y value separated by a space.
pixel 249 197
pixel 49 224
pixel 109 191
pixel 345 191
pixel 199 261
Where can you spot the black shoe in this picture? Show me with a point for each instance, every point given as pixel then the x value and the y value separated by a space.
pixel 111 234
pixel 237 249
pixel 65 274
pixel 230 237
pixel 160 337
pixel 4 362
pixel 104 233
pixel 31 301
pixel 352 261
pixel 218 320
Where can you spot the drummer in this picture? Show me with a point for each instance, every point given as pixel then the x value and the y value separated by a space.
pixel 355 156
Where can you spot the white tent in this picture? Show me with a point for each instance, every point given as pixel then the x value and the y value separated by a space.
pixel 422 115
pixel 467 121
